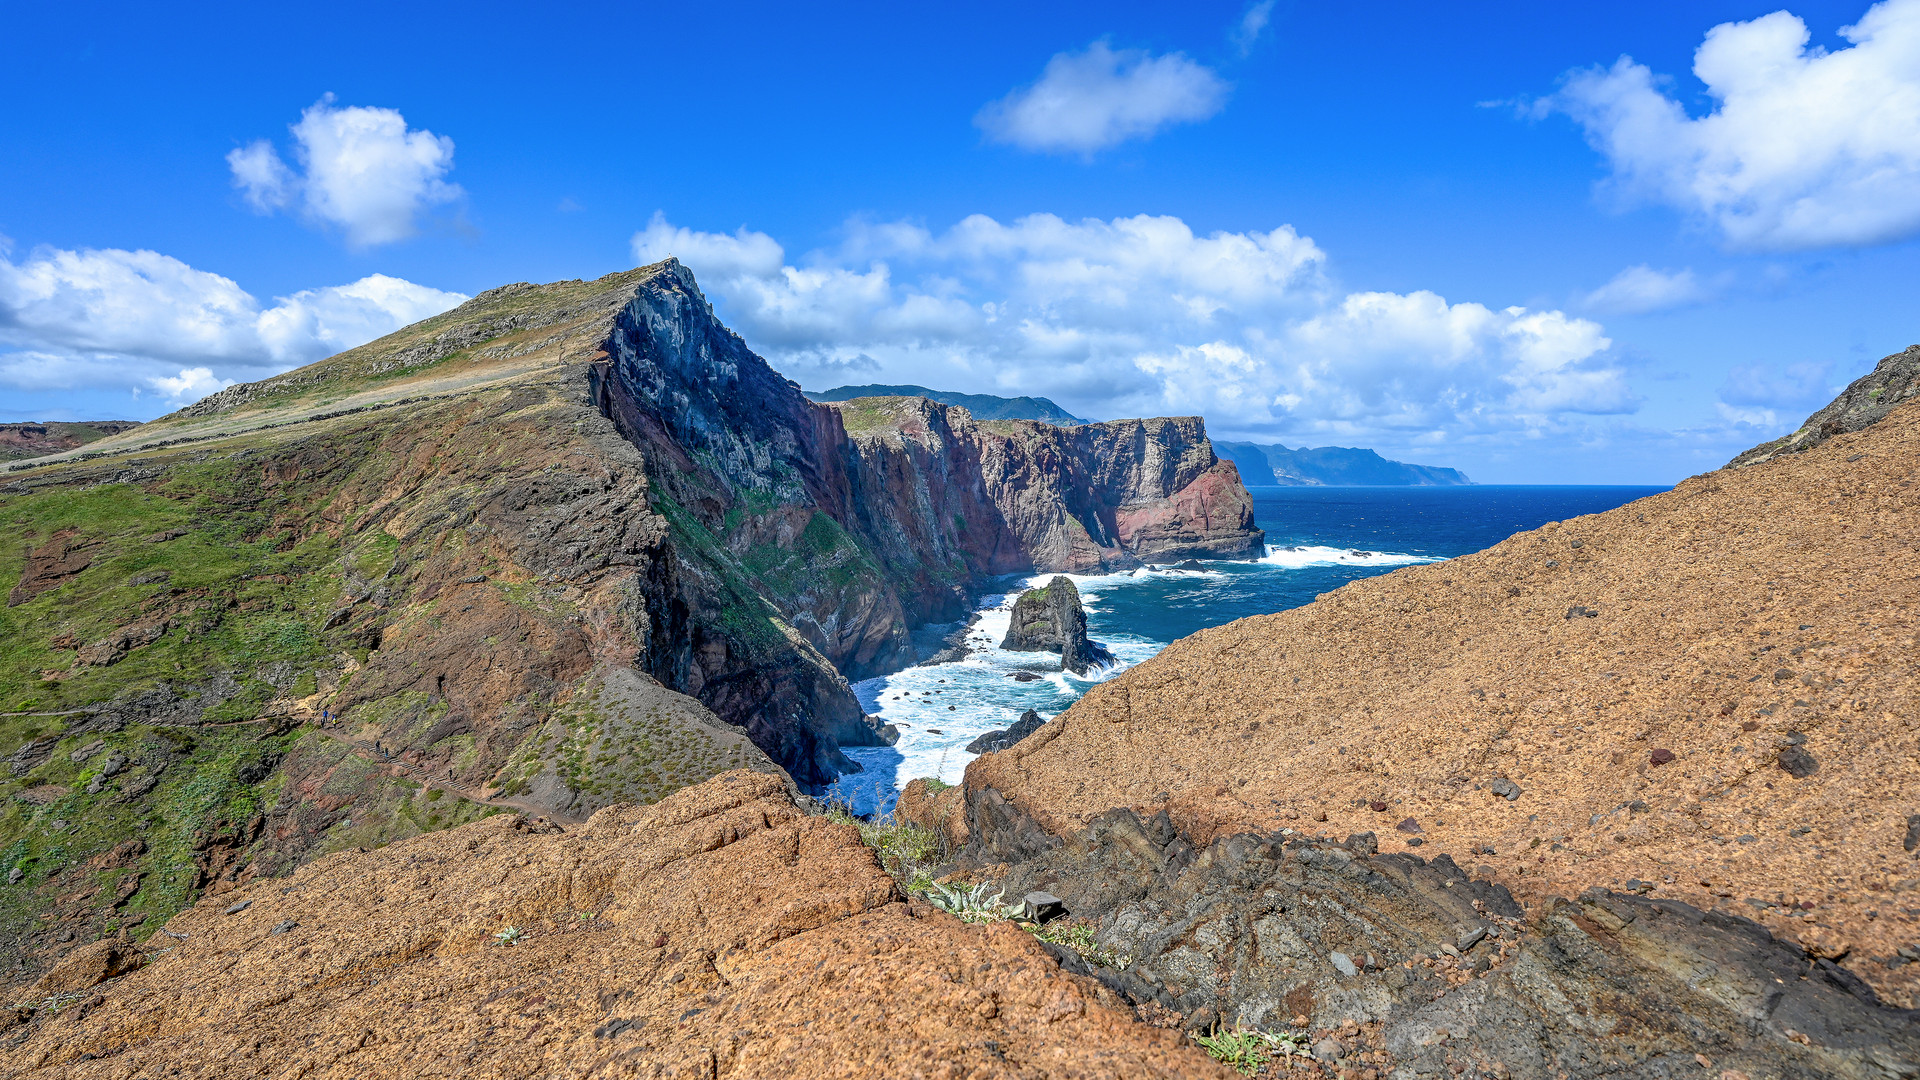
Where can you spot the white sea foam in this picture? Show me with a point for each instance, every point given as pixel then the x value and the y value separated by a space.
pixel 984 697
pixel 1302 556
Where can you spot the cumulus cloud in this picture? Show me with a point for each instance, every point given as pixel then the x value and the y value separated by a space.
pixel 1143 316
pixel 151 323
pixel 190 385
pixel 1803 148
pixel 362 170
pixel 1638 290
pixel 1088 101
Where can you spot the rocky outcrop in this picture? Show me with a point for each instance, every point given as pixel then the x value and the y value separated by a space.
pixel 719 933
pixel 1411 967
pixel 995 741
pixel 1866 401
pixel 48 566
pixel 1696 698
pixel 1050 619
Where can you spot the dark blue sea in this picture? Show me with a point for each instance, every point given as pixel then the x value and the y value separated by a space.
pixel 1318 538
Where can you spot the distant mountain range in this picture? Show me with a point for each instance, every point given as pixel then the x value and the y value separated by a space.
pixel 1277 466
pixel 982 406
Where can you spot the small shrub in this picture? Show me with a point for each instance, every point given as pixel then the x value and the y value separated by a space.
pixel 935 785
pixel 1247 1051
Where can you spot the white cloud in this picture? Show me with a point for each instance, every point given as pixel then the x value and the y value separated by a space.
pixel 142 320
pixel 1102 97
pixel 1638 290
pixel 1247 31
pixel 190 385
pixel 752 254
pixel 364 172
pixel 1803 148
pixel 1142 316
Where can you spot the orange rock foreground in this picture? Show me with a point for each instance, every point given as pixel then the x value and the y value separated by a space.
pixel 720 932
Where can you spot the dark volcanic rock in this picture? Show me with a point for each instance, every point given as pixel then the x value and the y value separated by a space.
pixel 1868 399
pixel 1052 620
pixel 995 741
pixel 1253 930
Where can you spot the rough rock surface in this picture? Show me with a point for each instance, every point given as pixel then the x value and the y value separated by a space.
pixel 1706 695
pixel 995 741
pixel 1866 401
pixel 942 811
pixel 1413 968
pixel 1050 619
pixel 719 933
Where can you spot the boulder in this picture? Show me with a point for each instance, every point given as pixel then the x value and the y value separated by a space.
pixel 995 741
pixel 90 965
pixel 1050 619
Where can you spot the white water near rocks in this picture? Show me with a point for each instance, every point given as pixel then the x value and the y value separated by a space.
pixel 940 708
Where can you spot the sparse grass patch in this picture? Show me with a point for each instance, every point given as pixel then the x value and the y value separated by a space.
pixel 1247 1051
pixel 1078 936
pixel 903 847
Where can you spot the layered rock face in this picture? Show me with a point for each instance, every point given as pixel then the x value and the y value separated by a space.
pixel 851 522
pixel 718 933
pixel 1410 967
pixel 1051 619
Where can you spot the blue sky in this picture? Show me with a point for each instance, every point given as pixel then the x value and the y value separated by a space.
pixel 1464 235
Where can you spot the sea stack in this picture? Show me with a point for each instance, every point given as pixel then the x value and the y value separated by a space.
pixel 1051 619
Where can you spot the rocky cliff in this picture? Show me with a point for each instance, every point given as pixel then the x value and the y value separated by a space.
pixel 564 546
pixel 982 406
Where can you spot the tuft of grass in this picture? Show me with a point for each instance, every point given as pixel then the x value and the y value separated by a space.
pixel 935 785
pixel 1247 1051
pixel 1078 936
pixel 905 849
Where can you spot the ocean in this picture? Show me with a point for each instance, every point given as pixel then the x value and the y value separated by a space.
pixel 1318 538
